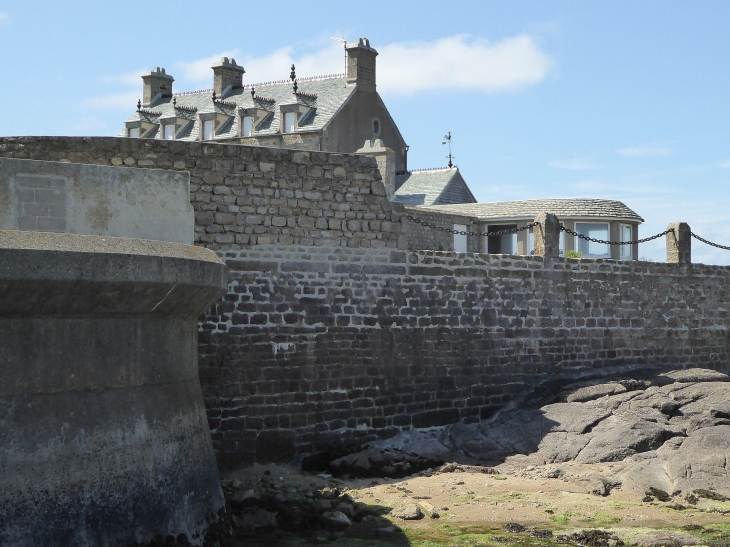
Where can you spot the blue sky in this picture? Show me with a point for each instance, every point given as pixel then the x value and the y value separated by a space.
pixel 620 100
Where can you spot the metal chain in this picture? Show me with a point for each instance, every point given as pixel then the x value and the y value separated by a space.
pixel 710 242
pixel 463 233
pixel 594 240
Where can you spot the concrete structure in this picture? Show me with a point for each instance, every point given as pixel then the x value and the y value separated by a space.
pixel 95 200
pixel 103 434
pixel 340 326
pixel 335 113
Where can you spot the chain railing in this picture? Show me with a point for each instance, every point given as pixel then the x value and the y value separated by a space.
pixel 594 240
pixel 694 235
pixel 465 233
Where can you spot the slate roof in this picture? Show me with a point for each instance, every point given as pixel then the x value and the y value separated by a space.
pixel 432 186
pixel 331 94
pixel 528 209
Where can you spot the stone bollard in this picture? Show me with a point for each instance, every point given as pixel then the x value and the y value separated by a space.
pixel 547 235
pixel 679 243
pixel 104 438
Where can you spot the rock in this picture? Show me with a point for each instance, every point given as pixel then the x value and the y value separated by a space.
pixel 594 392
pixel 428 509
pixel 241 495
pixel 347 509
pixel 375 462
pixel 694 375
pixel 407 511
pixel 601 486
pixel 322 505
pixel 663 538
pixel 514 528
pixel 336 519
pixel 255 519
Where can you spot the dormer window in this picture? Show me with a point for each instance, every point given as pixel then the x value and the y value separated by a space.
pixel 247 126
pixel 207 130
pixel 168 132
pixel 140 128
pixel 133 132
pixel 290 120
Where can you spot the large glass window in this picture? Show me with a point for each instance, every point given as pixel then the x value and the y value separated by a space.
pixel 208 130
pixel 169 131
pixel 247 126
pixel 590 249
pixel 627 251
pixel 289 119
pixel 531 242
pixel 459 239
pixel 505 244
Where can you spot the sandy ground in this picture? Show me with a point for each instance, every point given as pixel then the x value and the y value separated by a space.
pixel 521 495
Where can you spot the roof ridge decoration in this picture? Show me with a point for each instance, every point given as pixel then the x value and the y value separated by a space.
pixel 183 93
pixel 307 95
pixel 149 112
pixel 426 169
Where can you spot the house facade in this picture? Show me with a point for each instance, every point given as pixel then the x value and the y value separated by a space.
pixel 335 113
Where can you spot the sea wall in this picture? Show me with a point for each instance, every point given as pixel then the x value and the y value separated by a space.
pixel 319 346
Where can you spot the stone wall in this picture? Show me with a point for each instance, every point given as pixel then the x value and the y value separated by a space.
pixel 338 327
pixel 422 237
pixel 319 346
pixel 249 195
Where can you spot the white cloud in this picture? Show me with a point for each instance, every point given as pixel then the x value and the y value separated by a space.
pixel 459 63
pixel 575 164
pixel 133 79
pixel 725 163
pixel 117 101
pixel 199 70
pixel 646 149
pixel 3 17
pixel 450 64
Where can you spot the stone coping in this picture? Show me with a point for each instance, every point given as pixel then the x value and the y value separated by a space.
pixel 50 241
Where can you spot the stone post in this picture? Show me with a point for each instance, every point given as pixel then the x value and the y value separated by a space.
pixel 547 235
pixel 386 163
pixel 679 243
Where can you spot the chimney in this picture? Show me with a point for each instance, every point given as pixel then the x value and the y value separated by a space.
pixel 156 83
pixel 361 65
pixel 227 75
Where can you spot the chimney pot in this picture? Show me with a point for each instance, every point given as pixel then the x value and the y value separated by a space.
pixel 155 83
pixel 361 65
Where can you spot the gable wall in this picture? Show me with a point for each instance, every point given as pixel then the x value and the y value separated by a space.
pixel 353 125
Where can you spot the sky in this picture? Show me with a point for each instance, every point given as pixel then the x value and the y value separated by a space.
pixel 620 100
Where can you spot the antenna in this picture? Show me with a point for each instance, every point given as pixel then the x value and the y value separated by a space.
pixel 343 41
pixel 448 140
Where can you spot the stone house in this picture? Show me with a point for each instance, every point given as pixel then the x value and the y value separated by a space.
pixel 603 219
pixel 335 113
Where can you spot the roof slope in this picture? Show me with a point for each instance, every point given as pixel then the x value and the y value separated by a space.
pixel 331 93
pixel 432 187
pixel 528 209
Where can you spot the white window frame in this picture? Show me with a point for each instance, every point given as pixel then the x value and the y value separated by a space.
pixel 133 132
pixel 626 251
pixel 460 241
pixel 211 125
pixel 290 122
pixel 168 131
pixel 246 126
pixel 581 245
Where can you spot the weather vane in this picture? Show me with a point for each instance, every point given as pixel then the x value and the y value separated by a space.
pixel 342 40
pixel 448 140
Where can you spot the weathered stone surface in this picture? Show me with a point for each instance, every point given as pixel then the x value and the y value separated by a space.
pixel 407 511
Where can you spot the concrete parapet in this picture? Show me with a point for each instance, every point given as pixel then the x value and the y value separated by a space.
pixel 679 243
pixel 104 437
pixel 49 196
